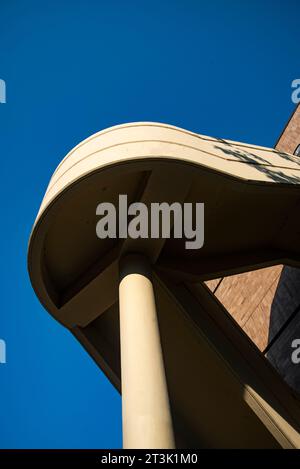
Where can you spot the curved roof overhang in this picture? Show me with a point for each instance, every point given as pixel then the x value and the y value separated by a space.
pixel 250 193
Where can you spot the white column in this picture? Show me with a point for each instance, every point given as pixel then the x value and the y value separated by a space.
pixel 145 404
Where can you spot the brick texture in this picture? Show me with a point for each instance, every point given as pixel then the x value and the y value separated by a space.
pixel 290 137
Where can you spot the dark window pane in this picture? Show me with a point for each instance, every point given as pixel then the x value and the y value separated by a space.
pixel 297 151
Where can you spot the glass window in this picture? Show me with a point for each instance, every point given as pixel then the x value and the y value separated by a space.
pixel 297 151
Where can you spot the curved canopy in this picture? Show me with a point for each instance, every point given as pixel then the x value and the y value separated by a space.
pixel 250 196
pixel 249 193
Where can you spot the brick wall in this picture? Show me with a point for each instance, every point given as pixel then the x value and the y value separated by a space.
pixel 290 137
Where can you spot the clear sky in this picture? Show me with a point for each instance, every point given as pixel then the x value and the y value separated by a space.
pixel 221 68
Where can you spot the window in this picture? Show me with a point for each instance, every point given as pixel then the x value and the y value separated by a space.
pixel 297 151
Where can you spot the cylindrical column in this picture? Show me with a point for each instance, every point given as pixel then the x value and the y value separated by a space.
pixel 145 404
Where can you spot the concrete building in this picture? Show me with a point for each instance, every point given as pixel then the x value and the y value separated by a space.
pixel 161 321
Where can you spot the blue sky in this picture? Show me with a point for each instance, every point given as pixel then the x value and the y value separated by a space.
pixel 221 68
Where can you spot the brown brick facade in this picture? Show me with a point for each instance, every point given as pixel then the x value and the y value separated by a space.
pixel 290 137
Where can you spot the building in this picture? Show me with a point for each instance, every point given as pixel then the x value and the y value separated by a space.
pixel 161 320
